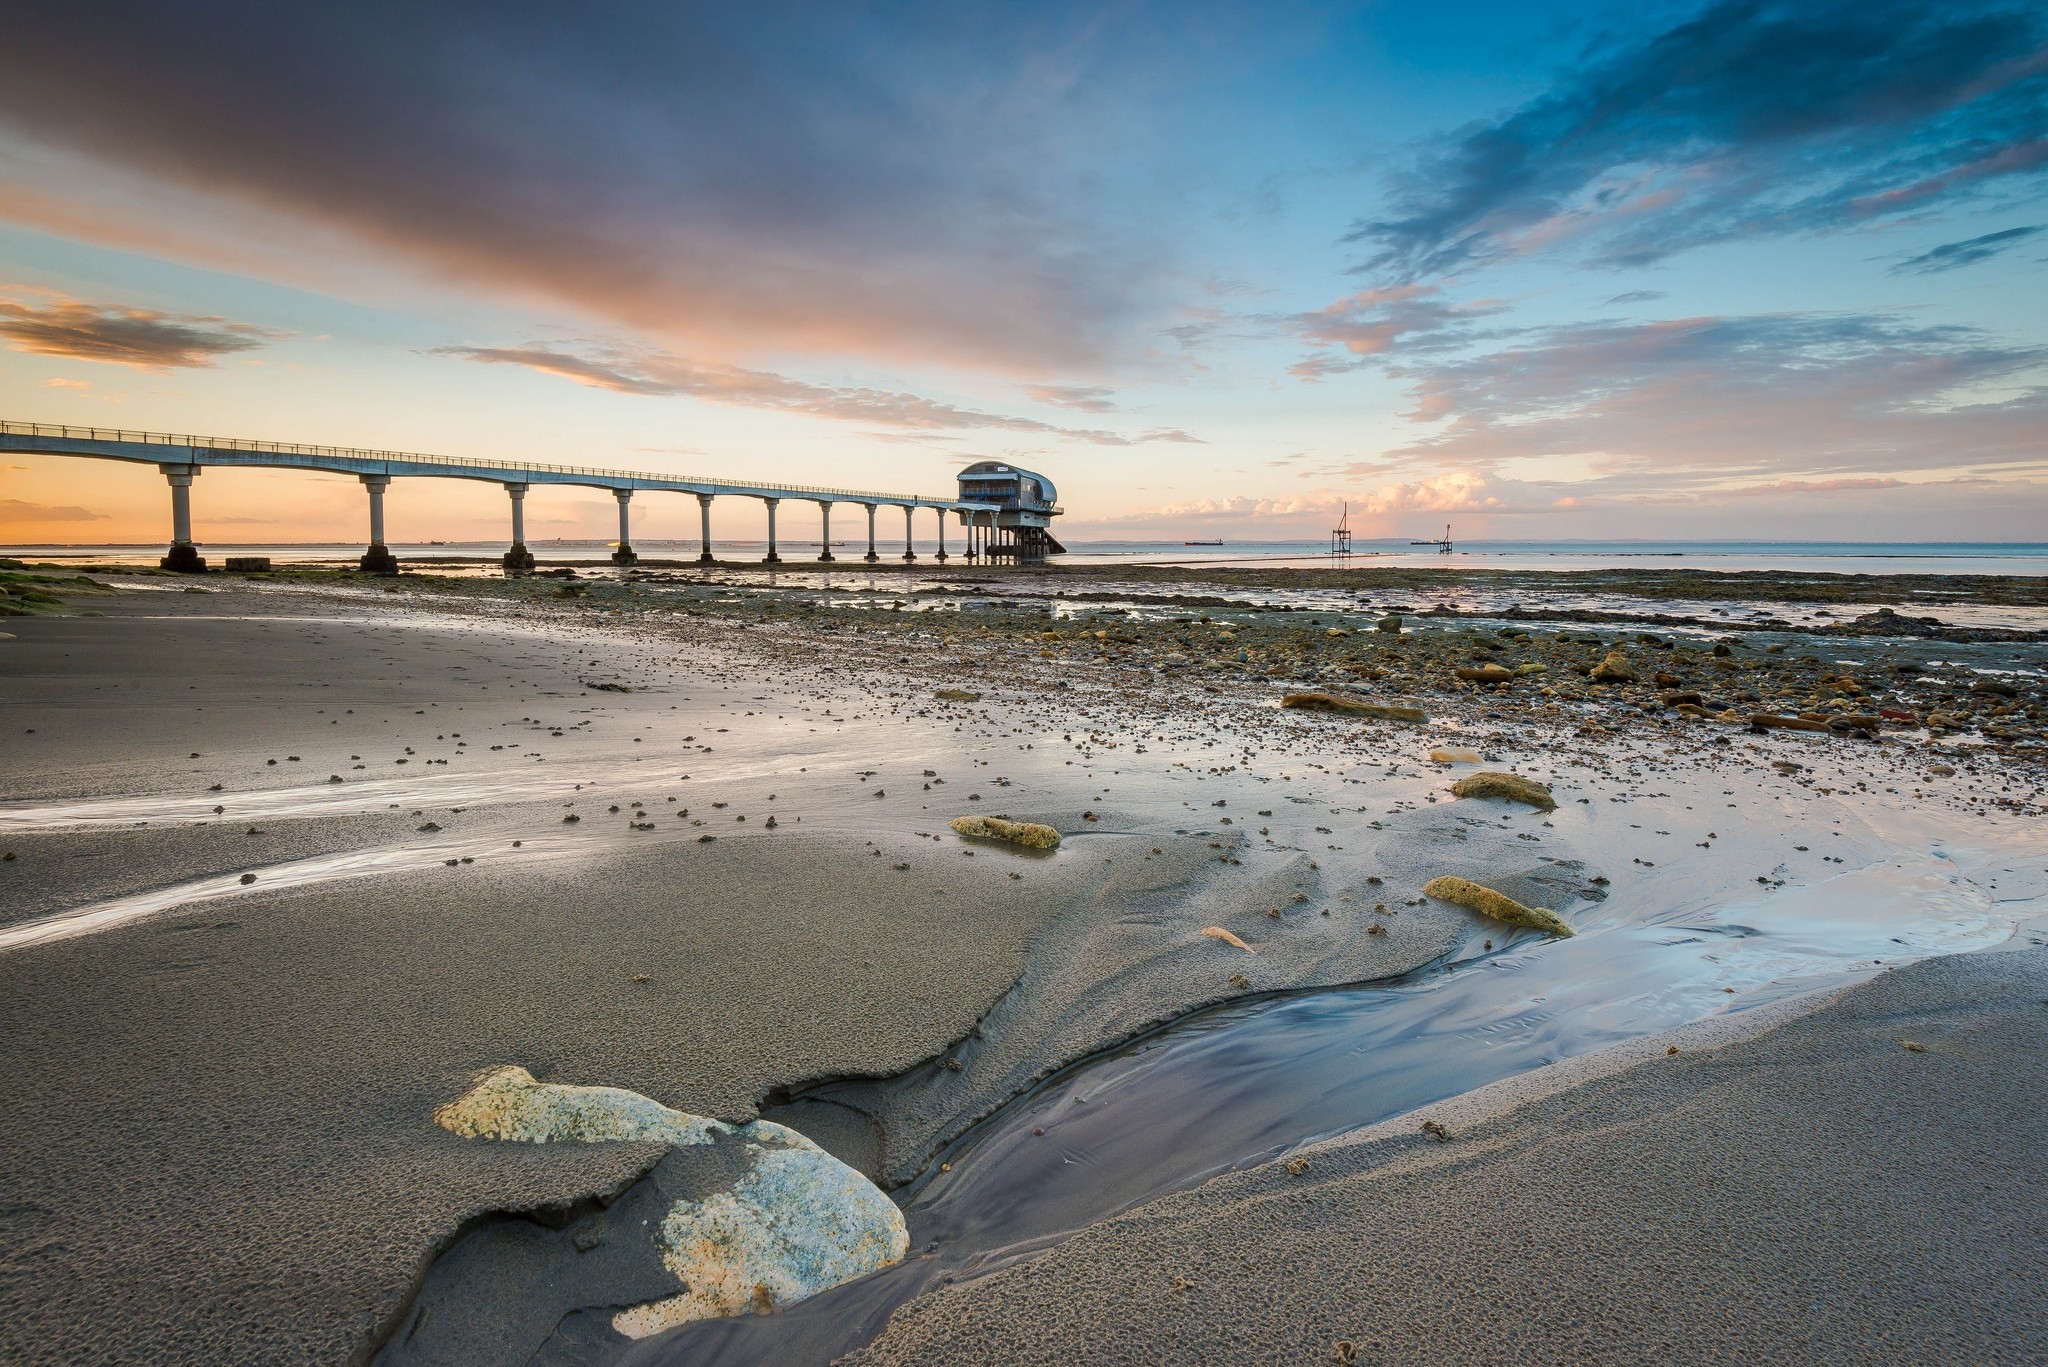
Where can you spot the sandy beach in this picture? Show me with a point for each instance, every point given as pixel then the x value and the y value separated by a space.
pixel 1859 1184
pixel 294 859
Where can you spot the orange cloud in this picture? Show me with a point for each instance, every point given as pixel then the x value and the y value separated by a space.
pixel 648 372
pixel 141 338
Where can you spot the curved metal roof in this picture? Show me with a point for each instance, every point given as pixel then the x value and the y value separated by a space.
pixel 985 469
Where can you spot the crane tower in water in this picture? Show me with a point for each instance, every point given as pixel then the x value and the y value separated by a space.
pixel 1443 547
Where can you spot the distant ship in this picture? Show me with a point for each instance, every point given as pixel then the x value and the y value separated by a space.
pixel 1217 542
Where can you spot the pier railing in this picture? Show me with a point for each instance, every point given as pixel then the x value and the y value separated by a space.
pixel 285 448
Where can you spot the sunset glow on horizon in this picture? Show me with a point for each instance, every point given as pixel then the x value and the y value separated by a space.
pixel 1733 270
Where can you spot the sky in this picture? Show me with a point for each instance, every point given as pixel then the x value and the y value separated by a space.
pixel 1539 270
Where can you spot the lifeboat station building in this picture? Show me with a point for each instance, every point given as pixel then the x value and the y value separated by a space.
pixel 1020 524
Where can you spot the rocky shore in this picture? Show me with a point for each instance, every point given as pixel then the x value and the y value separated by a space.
pixel 688 834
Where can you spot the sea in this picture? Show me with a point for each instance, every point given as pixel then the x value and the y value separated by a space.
pixel 1834 557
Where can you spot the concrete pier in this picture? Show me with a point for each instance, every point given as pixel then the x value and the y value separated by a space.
pixel 624 554
pixel 825 532
pixel 518 559
pixel 183 556
pixel 180 459
pixel 377 559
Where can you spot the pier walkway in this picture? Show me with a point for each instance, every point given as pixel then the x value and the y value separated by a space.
pixel 181 458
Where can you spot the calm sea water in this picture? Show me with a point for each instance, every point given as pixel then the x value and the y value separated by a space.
pixel 1839 557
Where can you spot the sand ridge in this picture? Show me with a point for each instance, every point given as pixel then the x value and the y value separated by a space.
pixel 291 1026
pixel 1818 1192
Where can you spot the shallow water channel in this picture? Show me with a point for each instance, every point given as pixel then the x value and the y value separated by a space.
pixel 1237 1085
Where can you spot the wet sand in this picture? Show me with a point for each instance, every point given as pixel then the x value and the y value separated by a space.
pixel 221 1114
pixel 223 1111
pixel 1820 1193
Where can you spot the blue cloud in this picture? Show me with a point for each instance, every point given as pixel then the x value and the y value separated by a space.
pixel 1952 255
pixel 1770 396
pixel 1751 118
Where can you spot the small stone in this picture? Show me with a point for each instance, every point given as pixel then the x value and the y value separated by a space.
pixel 1615 668
pixel 1030 834
pixel 1512 787
pixel 1499 906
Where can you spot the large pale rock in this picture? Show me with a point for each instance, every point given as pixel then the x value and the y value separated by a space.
pixel 795 1223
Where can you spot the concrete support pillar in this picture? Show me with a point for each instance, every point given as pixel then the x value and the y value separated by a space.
pixel 942 534
pixel 704 512
pixel 771 558
pixel 871 557
pixel 624 554
pixel 825 529
pixel 183 556
pixel 518 559
pixel 377 559
pixel 909 547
